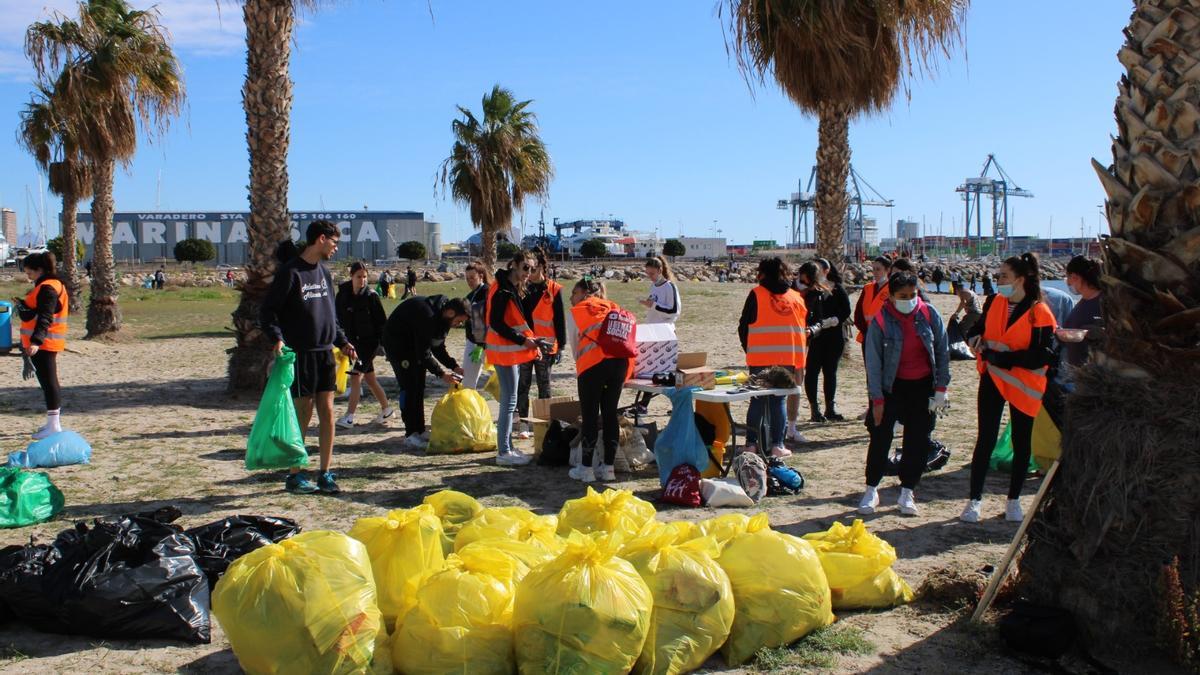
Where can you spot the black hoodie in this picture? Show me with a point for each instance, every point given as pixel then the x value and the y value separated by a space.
pixel 416 332
pixel 750 309
pixel 505 294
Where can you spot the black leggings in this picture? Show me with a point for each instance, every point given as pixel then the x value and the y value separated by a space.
pixel 991 409
pixel 46 364
pixel 908 404
pixel 599 393
pixel 824 356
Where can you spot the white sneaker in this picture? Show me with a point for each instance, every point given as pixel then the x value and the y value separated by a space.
pixel 416 442
pixel 606 472
pixel 1012 512
pixel 908 505
pixel 797 436
pixel 780 452
pixel 346 422
pixel 513 458
pixel 870 500
pixel 384 415
pixel 583 473
pixel 971 513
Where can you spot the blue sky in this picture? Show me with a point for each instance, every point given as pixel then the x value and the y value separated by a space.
pixel 645 115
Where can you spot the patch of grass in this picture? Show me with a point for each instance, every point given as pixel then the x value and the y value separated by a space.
pixel 10 654
pixel 819 650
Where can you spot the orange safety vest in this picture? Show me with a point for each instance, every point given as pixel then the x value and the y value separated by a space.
pixel 873 299
pixel 543 314
pixel 778 336
pixel 56 334
pixel 500 351
pixel 1021 387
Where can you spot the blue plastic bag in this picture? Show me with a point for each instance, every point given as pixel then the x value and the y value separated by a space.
pixel 60 449
pixel 680 442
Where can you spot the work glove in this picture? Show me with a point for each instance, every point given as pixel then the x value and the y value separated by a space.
pixel 29 371
pixel 939 404
pixel 477 354
pixel 830 322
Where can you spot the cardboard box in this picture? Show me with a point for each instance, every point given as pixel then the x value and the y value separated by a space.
pixel 658 349
pixel 691 371
pixel 692 360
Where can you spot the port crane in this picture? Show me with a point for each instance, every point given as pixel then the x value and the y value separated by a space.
pixel 804 201
pixel 999 188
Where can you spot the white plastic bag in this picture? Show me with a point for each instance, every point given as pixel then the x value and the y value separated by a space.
pixel 719 492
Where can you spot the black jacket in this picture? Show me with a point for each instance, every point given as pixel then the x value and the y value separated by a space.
pixel 750 310
pixel 47 306
pixel 505 294
pixel 824 304
pixel 360 315
pixel 416 332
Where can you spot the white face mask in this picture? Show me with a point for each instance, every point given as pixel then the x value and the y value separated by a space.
pixel 905 306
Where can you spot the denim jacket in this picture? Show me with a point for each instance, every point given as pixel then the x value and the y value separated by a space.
pixel 883 348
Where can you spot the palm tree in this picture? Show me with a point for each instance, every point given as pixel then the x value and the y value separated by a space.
pixel 115 69
pixel 838 59
pixel 496 164
pixel 48 136
pixel 1125 499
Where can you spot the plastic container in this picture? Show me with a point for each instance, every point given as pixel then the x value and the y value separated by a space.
pixel 6 330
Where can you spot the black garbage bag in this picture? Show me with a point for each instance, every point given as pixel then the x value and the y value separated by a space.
pixel 219 543
pixel 556 446
pixel 939 455
pixel 959 351
pixel 131 577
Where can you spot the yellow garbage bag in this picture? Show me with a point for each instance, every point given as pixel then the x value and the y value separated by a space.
pixel 858 566
pixel 1046 440
pixel 341 365
pixel 454 509
pixel 511 522
pixel 404 546
pixel 610 511
pixel 525 555
pixel 723 528
pixel 586 611
pixel 779 589
pixel 461 422
pixel 491 385
pixel 304 605
pixel 462 620
pixel 693 601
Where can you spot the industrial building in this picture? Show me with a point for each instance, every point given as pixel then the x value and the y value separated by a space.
pixel 366 235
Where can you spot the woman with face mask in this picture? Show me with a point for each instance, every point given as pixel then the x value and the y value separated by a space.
pixel 361 316
pixel 908 370
pixel 873 297
pixel 510 342
pixel 1014 348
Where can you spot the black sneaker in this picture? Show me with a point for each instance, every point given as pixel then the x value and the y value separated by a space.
pixel 299 483
pixel 833 416
pixel 326 484
pixel 817 417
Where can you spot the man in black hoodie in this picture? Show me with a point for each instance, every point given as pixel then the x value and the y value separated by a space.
pixel 299 311
pixel 414 339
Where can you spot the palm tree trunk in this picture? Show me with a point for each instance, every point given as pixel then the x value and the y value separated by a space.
pixel 67 270
pixel 833 167
pixel 267 99
pixel 487 242
pixel 103 314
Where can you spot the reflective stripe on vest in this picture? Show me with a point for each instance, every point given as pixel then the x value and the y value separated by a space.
pixel 778 336
pixel 589 316
pixel 872 302
pixel 56 332
pixel 1023 388
pixel 500 350
pixel 543 314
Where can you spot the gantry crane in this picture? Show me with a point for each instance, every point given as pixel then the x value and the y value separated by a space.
pixel 1000 189
pixel 805 200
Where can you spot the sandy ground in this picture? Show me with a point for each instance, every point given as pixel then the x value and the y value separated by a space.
pixel 165 432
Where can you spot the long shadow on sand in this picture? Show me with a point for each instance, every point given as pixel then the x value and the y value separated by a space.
pixel 207 393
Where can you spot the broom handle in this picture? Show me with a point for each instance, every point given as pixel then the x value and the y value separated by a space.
pixel 1001 573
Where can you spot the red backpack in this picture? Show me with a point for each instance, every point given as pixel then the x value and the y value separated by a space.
pixel 618 335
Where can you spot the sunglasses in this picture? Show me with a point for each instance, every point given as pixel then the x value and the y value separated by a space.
pixel 526 268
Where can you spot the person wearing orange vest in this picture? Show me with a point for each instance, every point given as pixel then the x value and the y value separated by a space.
pixel 1014 348
pixel 774 333
pixel 43 314
pixel 873 297
pixel 600 378
pixel 510 342
pixel 543 302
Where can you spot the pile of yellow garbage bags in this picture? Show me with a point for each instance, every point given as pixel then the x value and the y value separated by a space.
pixel 602 587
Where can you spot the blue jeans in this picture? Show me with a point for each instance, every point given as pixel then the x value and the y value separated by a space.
pixel 778 415
pixel 509 376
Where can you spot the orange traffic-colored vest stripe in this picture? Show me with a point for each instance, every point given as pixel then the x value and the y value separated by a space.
pixel 543 314
pixel 589 315
pixel 778 336
pixel 1021 387
pixel 56 334
pixel 874 297
pixel 500 351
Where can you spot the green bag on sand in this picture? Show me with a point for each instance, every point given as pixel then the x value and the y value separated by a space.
pixel 1002 456
pixel 27 497
pixel 275 439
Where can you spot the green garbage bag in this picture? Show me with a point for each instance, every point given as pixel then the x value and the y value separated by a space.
pixel 275 439
pixel 27 497
pixel 1002 456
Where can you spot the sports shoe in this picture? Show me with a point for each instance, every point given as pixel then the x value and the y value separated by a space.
pixel 326 483
pixel 817 417
pixel 606 472
pixel 971 513
pixel 908 505
pixel 870 500
pixel 1012 512
pixel 833 416
pixel 346 422
pixel 416 442
pixel 797 436
pixel 780 452
pixel 583 473
pixel 384 415
pixel 513 458
pixel 299 484
pixel 641 410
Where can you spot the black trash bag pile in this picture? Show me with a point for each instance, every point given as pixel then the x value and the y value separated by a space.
pixel 135 576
